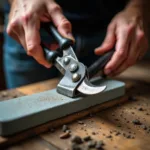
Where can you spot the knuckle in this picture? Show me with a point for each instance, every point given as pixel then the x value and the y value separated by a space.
pixel 110 27
pixel 140 35
pixel 108 42
pixel 31 49
pixel 128 29
pixel 55 8
pixel 9 30
pixel 26 17
pixel 131 27
pixel 13 24
pixel 11 27
pixel 122 53
pixel 65 23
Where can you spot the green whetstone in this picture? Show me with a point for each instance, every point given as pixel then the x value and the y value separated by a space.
pixel 28 111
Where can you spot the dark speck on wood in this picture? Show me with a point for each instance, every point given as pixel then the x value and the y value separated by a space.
pixel 87 138
pixel 144 127
pixel 76 139
pixel 141 109
pixel 136 122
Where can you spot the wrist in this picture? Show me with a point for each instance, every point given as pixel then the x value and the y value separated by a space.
pixel 134 7
pixel 10 1
pixel 140 9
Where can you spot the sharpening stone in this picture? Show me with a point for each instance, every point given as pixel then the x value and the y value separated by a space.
pixel 29 111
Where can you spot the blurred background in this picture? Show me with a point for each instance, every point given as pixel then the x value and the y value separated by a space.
pixel 2 81
pixel 2 84
pixel 1 3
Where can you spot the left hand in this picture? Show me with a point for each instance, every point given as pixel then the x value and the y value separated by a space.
pixel 127 34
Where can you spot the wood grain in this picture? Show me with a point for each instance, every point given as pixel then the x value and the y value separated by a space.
pixel 104 121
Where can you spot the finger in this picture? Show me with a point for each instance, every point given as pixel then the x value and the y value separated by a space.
pixel 53 46
pixel 45 17
pixel 21 36
pixel 14 36
pixel 109 41
pixel 60 21
pixel 123 66
pixel 135 49
pixel 124 35
pixel 16 31
pixel 120 69
pixel 32 38
pixel 11 30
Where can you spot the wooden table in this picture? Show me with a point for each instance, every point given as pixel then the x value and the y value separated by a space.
pixel 113 125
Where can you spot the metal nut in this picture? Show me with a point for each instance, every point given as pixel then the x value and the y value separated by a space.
pixel 73 67
pixel 66 60
pixel 76 77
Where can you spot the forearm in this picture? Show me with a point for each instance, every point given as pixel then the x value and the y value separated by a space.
pixel 10 1
pixel 141 9
pixel 139 6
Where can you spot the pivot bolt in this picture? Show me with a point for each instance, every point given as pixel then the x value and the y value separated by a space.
pixel 76 77
pixel 73 67
pixel 66 60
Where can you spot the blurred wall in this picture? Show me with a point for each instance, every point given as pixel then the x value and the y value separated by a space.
pixel 2 81
pixel 2 84
pixel 2 3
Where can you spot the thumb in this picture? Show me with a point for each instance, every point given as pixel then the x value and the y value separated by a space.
pixel 108 42
pixel 60 21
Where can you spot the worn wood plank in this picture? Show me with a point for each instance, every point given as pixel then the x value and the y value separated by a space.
pixel 105 121
pixel 38 87
pixel 118 118
pixel 35 143
pixel 56 123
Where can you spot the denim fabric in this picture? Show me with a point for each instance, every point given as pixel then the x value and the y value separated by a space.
pixel 21 69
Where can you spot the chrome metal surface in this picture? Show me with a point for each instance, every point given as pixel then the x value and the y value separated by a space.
pixel 73 67
pixel 66 86
pixel 67 54
pixel 66 60
pixel 76 77
pixel 87 88
pixel 30 111
pixel 71 83
pixel 70 52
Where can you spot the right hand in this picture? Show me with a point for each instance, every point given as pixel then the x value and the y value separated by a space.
pixel 24 24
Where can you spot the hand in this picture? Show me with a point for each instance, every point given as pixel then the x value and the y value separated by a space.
pixel 24 24
pixel 126 34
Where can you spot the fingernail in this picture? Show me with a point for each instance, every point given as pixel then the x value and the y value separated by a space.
pixel 71 36
pixel 97 51
pixel 107 71
pixel 48 66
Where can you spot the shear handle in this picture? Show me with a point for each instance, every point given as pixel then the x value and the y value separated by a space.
pixel 63 42
pixel 100 63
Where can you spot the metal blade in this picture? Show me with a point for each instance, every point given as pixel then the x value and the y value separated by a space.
pixel 87 88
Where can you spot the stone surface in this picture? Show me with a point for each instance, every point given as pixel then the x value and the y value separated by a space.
pixel 29 111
